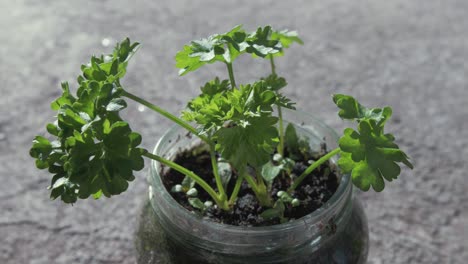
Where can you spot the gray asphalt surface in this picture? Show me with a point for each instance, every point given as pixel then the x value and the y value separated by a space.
pixel 411 55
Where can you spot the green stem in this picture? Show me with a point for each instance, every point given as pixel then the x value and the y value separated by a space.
pixel 262 192
pixel 235 192
pixel 312 167
pixel 166 114
pixel 280 148
pixel 106 172
pixel 260 182
pixel 231 75
pixel 259 190
pixel 251 183
pixel 216 197
pixel 272 63
pixel 281 132
pixel 214 165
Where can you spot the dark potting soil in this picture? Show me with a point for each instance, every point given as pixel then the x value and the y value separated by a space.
pixel 314 191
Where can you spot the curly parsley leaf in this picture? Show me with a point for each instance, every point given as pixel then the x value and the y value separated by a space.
pixel 368 154
pixel 218 104
pixel 94 151
pixel 240 120
pixel 211 109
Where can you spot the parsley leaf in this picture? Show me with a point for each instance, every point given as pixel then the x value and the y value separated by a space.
pixel 228 46
pixel 218 47
pixel 266 41
pixel 211 109
pixel 94 152
pixel 298 147
pixel 218 104
pixel 351 109
pixel 275 82
pixel 368 154
pixel 261 44
pixel 240 120
pixel 252 144
pixel 272 169
pixel 286 38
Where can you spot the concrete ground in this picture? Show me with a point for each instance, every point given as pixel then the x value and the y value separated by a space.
pixel 411 55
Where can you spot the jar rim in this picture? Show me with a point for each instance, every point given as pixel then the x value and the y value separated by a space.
pixel 344 188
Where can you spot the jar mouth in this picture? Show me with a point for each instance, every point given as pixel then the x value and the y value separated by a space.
pixel 336 201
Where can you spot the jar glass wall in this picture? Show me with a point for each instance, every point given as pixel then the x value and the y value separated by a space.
pixel 335 233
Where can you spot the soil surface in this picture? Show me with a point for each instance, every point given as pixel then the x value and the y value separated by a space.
pixel 314 191
pixel 411 55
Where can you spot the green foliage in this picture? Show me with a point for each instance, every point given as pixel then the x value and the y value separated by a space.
pixel 218 104
pixel 186 185
pixel 274 82
pixel 277 211
pixel 351 109
pixel 270 171
pixel 266 42
pixel 219 47
pixel 240 120
pixel 279 208
pixel 297 147
pixel 212 108
pixel 261 44
pixel 286 37
pixel 274 167
pixel 228 46
pixel 251 144
pixel 192 192
pixel 284 197
pixel 197 203
pixel 368 154
pixel 94 152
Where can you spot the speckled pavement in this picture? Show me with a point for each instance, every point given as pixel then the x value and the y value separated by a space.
pixel 411 55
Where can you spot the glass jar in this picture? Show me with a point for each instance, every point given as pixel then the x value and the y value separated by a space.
pixel 335 233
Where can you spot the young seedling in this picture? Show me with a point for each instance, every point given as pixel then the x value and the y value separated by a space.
pixel 94 152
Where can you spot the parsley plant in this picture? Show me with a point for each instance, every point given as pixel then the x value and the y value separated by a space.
pixel 94 152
